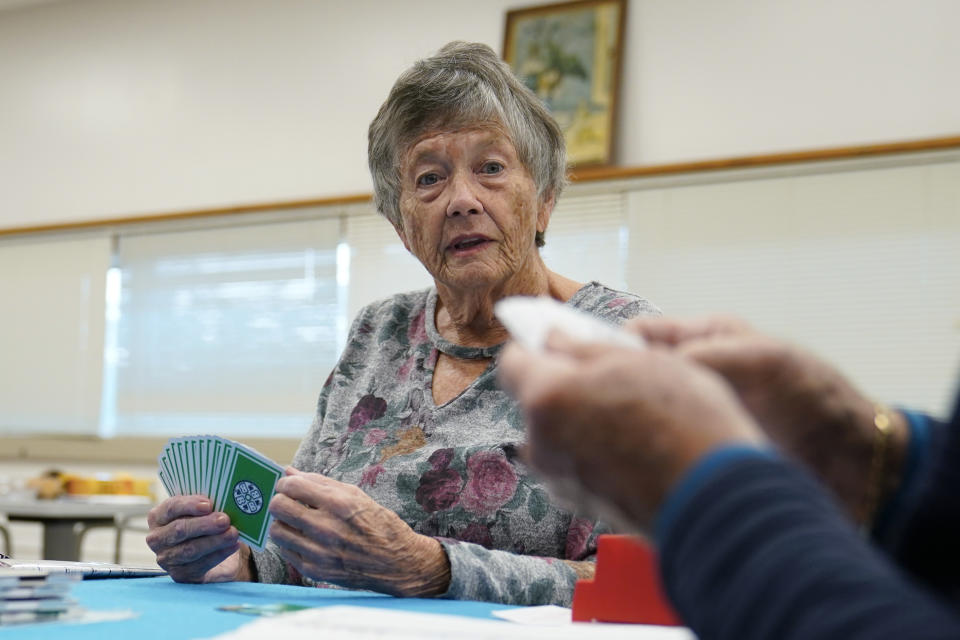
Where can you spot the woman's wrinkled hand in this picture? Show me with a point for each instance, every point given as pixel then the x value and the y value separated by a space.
pixel 614 429
pixel 335 532
pixel 805 405
pixel 800 400
pixel 195 544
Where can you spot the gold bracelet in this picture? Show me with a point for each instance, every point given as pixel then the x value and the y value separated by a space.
pixel 883 421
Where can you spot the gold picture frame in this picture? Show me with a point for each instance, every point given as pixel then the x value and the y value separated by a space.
pixel 570 54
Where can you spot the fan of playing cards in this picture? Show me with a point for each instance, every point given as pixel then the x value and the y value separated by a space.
pixel 238 480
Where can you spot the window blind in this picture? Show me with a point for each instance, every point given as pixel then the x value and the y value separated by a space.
pixel 52 290
pixel 233 330
pixel 587 239
pixel 230 331
pixel 380 266
pixel 861 267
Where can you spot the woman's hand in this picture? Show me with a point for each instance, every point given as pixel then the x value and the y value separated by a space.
pixel 335 532
pixel 614 429
pixel 806 406
pixel 194 544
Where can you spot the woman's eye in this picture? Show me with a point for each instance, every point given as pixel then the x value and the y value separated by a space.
pixel 428 179
pixel 492 168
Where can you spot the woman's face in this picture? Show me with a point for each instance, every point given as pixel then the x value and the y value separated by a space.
pixel 469 207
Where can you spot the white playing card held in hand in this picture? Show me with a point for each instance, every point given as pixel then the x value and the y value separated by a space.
pixel 530 320
pixel 238 480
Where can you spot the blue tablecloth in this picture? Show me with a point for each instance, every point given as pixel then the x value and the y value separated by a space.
pixel 171 611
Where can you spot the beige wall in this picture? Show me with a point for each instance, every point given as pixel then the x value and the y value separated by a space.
pixel 120 107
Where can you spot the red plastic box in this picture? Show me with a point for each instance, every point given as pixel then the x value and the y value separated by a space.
pixel 626 587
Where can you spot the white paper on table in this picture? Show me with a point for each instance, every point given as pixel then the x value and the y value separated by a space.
pixel 548 614
pixel 87 569
pixel 367 623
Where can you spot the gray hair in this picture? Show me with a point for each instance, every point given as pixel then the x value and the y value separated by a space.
pixel 464 84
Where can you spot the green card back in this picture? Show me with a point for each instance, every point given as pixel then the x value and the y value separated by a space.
pixel 248 493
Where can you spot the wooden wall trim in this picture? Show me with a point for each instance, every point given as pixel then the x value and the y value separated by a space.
pixel 588 174
pixel 583 175
pixel 131 449
pixel 187 215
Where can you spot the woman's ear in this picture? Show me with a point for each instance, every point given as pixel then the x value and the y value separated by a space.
pixel 544 213
pixel 398 227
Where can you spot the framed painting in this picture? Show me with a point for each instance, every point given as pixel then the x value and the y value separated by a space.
pixel 569 55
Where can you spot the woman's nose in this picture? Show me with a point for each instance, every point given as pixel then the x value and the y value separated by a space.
pixel 463 197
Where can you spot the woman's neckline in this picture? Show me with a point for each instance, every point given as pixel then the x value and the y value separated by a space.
pixel 443 345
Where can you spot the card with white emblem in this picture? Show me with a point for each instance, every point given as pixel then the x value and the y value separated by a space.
pixel 238 480
pixel 530 320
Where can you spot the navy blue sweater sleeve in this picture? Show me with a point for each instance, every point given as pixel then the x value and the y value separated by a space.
pixel 759 550
pixel 921 528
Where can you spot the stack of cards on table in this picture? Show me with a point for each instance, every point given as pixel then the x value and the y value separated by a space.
pixel 26 596
pixel 238 480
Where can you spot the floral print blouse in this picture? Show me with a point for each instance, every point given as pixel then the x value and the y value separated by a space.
pixel 450 471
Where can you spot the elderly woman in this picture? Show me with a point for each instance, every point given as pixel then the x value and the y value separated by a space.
pixel 408 482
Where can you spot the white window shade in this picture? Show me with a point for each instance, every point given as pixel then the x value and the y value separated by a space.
pixel 51 346
pixel 230 331
pixel 586 239
pixel 380 266
pixel 863 267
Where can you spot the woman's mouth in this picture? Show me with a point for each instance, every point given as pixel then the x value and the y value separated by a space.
pixel 467 243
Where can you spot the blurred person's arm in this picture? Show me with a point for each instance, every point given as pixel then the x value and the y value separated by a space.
pixel 808 409
pixel 813 413
pixel 919 525
pixel 751 546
